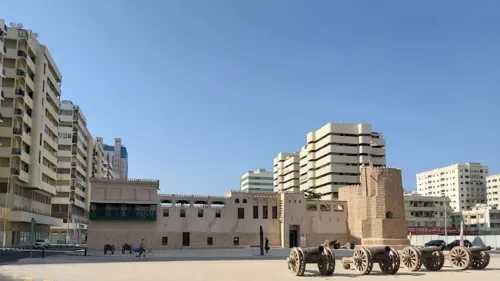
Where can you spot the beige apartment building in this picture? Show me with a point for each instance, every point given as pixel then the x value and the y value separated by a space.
pixel 28 135
pixel 74 171
pixel 286 172
pixel 423 210
pixel 334 153
pixel 463 183
pixel 127 211
pixel 482 219
pixel 493 190
pixel 101 168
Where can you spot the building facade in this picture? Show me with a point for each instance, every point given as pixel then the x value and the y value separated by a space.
pixel 286 172
pixel 493 190
pixel 333 155
pixel 28 135
pixel 74 171
pixel 257 181
pixel 101 168
pixel 463 183
pixel 481 219
pixel 117 157
pixel 425 211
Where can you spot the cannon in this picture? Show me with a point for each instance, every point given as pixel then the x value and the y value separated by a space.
pixel 126 247
pixel 322 255
pixel 110 248
pixel 432 258
pixel 363 259
pixel 475 257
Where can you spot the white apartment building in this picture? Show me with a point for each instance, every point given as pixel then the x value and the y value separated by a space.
pixel 481 218
pixel 74 154
pixel 3 50
pixel 117 156
pixel 28 135
pixel 493 190
pixel 333 155
pixel 101 169
pixel 258 180
pixel 427 210
pixel 463 183
pixel 286 172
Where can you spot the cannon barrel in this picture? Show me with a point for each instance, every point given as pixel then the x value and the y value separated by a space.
pixel 379 250
pixel 431 249
pixel 313 250
pixel 476 249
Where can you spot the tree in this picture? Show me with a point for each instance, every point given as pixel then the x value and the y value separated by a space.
pixel 311 195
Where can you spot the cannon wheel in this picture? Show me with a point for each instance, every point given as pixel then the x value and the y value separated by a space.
pixel 326 265
pixel 460 258
pixel 436 262
pixel 480 261
pixel 411 258
pixel 391 266
pixel 296 262
pixel 363 261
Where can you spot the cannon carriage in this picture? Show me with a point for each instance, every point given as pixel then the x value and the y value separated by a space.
pixel 364 257
pixel 432 258
pixel 475 257
pixel 321 255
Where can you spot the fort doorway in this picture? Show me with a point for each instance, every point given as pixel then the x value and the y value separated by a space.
pixel 293 236
pixel 185 239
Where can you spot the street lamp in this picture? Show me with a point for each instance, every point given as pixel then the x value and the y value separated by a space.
pixel 445 217
pixel 4 233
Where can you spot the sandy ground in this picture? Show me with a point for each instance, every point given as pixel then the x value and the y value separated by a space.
pixel 126 268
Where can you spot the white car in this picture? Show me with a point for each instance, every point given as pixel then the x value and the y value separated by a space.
pixel 41 243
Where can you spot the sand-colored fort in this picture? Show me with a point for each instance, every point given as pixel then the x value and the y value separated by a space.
pixel 126 211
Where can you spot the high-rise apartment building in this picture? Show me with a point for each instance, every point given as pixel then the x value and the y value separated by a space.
pixel 74 154
pixel 28 135
pixel 117 156
pixel 3 50
pixel 463 183
pixel 258 180
pixel 493 190
pixel 333 155
pixel 101 169
pixel 286 170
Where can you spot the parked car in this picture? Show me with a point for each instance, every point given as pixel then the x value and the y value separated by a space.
pixel 435 243
pixel 455 243
pixel 41 243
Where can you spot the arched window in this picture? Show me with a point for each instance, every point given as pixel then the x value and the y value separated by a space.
pixel 244 200
pixel 237 200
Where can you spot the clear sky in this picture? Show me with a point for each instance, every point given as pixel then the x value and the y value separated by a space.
pixel 203 91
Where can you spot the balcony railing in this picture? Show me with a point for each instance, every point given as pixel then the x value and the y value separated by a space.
pixel 18 111
pixel 22 54
pixel 123 215
pixel 17 131
pixel 20 72
pixel 14 171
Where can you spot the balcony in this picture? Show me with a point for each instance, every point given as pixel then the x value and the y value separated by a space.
pixel 17 131
pixel 130 215
pixel 26 216
pixel 16 151
pixel 18 112
pixel 21 72
pixel 20 92
pixel 22 54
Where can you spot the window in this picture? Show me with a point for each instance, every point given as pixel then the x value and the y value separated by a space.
pixel 255 212
pixel 210 241
pixel 200 213
pixel 236 200
pixel 166 212
pixel 164 241
pixel 244 200
pixel 236 241
pixel 264 212
pixel 183 213
pixel 274 211
pixel 217 213
pixel 241 213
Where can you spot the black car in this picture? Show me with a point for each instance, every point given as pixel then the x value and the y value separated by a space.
pixel 455 243
pixel 435 243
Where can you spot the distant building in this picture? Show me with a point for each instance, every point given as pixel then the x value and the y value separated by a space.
pixel 464 184
pixel 493 190
pixel 259 180
pixel 423 210
pixel 117 157
pixel 333 155
pixel 101 168
pixel 481 219
pixel 286 169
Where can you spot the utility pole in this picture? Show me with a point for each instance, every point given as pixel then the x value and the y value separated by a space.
pixel 32 234
pixel 4 233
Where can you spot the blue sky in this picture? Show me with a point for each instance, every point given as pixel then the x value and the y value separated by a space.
pixel 202 91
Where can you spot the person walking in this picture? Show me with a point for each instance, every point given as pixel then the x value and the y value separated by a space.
pixel 266 245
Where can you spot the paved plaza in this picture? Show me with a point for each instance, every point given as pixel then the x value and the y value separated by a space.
pixel 220 265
